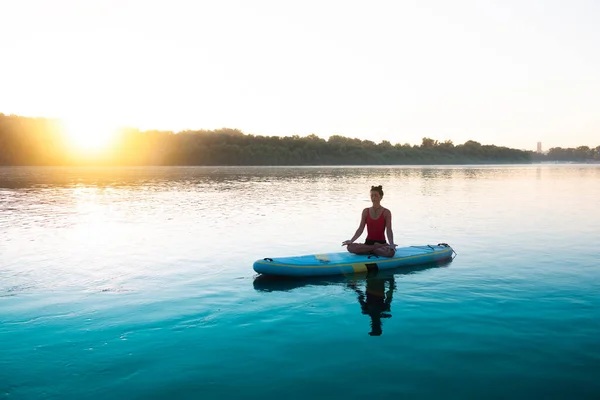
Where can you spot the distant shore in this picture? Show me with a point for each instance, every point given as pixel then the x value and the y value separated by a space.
pixel 41 141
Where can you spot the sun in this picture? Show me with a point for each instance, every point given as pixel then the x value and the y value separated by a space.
pixel 89 135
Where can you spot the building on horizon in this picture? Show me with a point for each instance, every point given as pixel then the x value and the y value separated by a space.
pixel 539 147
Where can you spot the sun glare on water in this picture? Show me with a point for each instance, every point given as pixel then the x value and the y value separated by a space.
pixel 89 135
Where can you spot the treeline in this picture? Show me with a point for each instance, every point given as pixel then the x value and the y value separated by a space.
pixel 40 141
pixel 579 154
pixel 31 141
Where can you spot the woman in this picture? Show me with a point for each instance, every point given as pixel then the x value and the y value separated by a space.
pixel 379 224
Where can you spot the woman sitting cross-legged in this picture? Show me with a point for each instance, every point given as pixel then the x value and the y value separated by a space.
pixel 379 224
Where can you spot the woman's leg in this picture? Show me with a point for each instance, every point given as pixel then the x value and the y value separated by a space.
pixel 384 250
pixel 359 248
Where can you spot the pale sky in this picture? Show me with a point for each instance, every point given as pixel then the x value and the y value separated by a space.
pixel 505 72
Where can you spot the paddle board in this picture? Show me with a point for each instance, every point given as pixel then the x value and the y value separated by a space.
pixel 348 263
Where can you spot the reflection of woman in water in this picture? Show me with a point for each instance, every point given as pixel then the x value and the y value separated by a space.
pixel 376 302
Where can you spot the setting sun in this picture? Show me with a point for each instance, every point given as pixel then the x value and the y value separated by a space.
pixel 89 135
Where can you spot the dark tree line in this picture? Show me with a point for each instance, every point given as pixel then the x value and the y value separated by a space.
pixel 40 141
pixel 579 154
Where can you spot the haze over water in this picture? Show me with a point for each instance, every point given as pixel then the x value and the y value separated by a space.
pixel 138 283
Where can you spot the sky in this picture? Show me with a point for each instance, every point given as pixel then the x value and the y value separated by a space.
pixel 507 72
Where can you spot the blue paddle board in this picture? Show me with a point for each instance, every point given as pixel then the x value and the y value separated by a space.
pixel 348 263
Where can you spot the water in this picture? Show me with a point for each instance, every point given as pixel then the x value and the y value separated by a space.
pixel 138 283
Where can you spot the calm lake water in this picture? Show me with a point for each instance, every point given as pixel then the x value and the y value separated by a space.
pixel 138 283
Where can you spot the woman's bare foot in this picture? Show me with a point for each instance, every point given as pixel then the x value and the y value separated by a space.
pixel 384 250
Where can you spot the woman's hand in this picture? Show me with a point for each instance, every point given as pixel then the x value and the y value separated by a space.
pixel 346 242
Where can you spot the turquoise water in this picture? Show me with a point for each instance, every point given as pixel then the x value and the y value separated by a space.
pixel 138 283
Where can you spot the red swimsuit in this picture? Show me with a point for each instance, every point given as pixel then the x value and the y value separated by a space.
pixel 376 227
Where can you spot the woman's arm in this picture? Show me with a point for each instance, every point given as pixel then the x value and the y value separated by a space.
pixel 388 228
pixel 361 228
